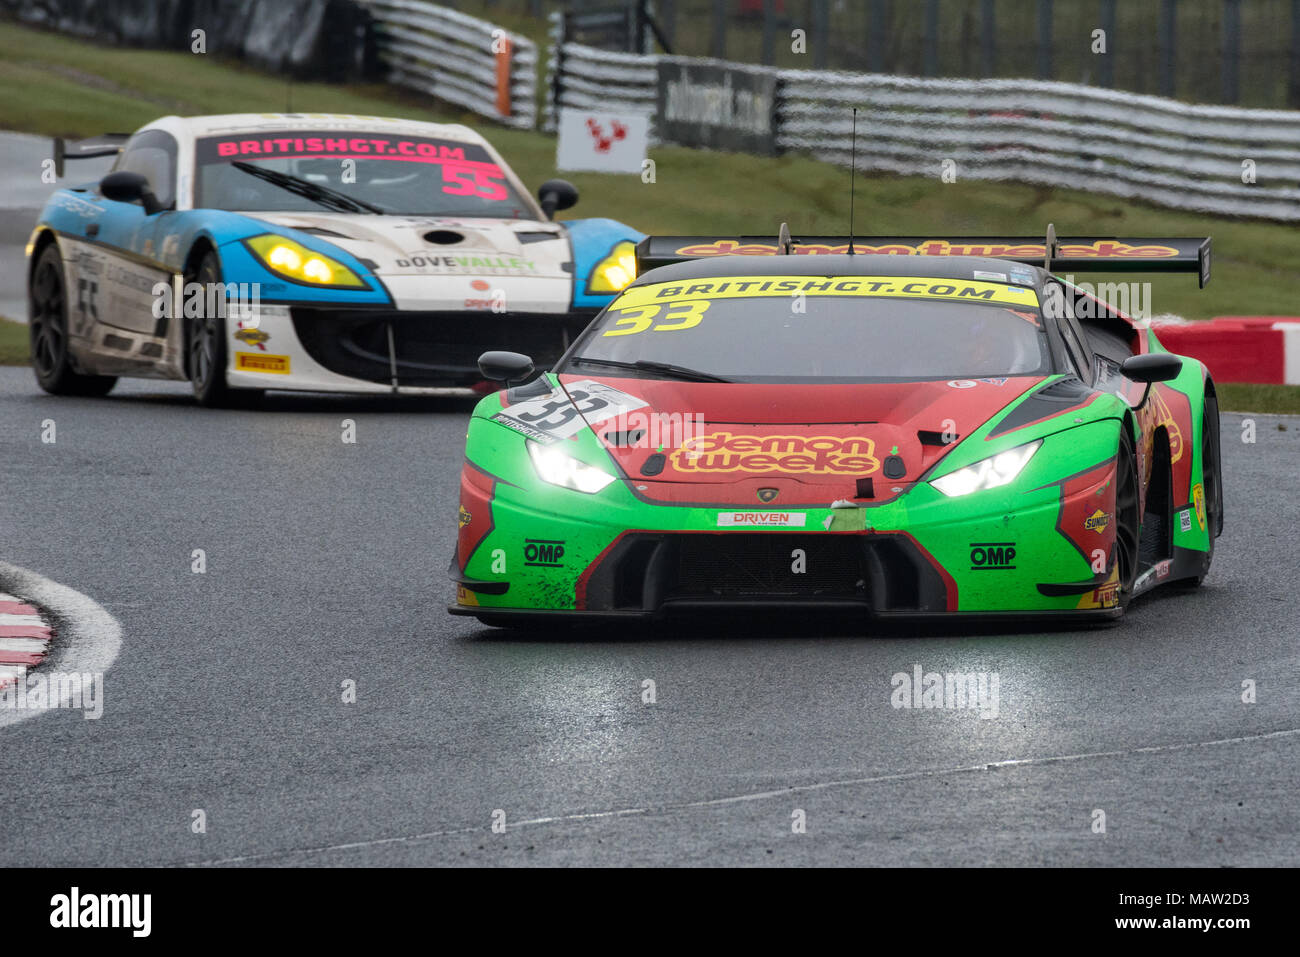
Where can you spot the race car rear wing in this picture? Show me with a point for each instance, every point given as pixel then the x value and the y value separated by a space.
pixel 1073 253
pixel 106 144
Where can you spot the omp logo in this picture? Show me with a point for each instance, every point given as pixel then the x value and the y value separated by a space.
pixel 547 553
pixel 797 454
pixel 992 556
pixel 1097 521
pixel 75 910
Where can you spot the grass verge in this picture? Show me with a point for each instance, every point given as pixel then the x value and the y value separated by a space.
pixel 60 86
pixel 13 343
pixel 1244 397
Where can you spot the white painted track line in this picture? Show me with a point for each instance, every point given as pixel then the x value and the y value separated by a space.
pixel 89 638
pixel 20 620
pixel 37 646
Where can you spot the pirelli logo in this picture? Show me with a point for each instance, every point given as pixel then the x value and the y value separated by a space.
pixel 257 362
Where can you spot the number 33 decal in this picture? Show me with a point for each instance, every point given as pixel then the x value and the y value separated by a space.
pixel 681 315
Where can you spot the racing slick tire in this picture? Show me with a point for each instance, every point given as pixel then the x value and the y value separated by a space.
pixel 47 314
pixel 1127 521
pixel 1212 469
pixel 205 347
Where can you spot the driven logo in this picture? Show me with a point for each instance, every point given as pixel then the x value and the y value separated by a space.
pixel 779 519
pixel 992 556
pixel 543 552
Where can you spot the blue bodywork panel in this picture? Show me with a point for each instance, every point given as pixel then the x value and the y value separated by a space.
pixel 593 240
pixel 167 238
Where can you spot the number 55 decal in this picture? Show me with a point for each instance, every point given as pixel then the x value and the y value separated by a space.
pixel 462 181
pixel 640 318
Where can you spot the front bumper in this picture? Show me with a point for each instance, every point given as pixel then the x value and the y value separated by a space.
pixel 521 552
pixel 376 350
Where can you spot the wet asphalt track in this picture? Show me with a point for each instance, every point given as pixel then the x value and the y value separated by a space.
pixel 326 562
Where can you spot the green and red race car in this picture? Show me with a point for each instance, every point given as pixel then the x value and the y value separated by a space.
pixel 915 427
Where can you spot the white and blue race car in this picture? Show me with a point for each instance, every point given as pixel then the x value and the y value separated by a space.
pixel 307 252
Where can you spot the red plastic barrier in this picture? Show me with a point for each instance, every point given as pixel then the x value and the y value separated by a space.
pixel 1263 349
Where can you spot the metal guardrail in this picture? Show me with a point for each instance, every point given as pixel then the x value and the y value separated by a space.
pixel 1103 141
pixel 452 56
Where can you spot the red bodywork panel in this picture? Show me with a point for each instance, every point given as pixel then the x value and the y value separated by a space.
pixel 722 442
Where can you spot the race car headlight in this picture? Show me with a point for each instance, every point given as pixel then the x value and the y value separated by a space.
pixel 615 271
pixel 987 473
pixel 295 261
pixel 555 467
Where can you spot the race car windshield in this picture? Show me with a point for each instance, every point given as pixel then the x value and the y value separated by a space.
pixel 884 329
pixel 262 171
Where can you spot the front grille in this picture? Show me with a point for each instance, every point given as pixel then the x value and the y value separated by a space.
pixel 741 565
pixel 432 348
pixel 644 571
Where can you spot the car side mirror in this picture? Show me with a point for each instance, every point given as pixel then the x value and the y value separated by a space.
pixel 505 367
pixel 556 194
pixel 1150 368
pixel 125 186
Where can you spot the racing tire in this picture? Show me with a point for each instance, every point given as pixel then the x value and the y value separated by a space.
pixel 1212 484
pixel 47 317
pixel 1127 522
pixel 205 348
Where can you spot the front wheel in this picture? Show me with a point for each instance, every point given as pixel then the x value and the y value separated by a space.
pixel 205 341
pixel 47 315
pixel 1127 521
pixel 1211 484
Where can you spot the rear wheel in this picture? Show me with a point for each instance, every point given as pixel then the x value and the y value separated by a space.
pixel 47 313
pixel 1126 515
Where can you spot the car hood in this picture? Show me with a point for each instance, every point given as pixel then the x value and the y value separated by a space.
pixel 528 263
pixel 685 442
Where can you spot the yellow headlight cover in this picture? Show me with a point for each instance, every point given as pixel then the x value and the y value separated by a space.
pixel 615 271
pixel 295 261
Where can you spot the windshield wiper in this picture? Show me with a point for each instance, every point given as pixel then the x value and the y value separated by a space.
pixel 308 190
pixel 663 368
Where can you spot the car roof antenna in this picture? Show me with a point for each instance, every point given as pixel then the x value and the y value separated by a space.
pixel 784 244
pixel 853 173
pixel 1050 247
